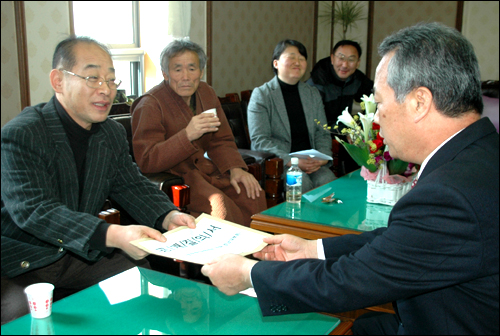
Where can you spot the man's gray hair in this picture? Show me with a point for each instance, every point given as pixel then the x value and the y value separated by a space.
pixel 180 46
pixel 439 58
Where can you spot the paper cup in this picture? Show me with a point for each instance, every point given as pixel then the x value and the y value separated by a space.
pixel 214 111
pixel 40 299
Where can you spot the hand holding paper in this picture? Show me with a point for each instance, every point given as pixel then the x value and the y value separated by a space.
pixel 176 219
pixel 287 247
pixel 230 273
pixel 211 238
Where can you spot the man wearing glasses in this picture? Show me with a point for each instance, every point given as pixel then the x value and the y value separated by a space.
pixel 340 82
pixel 338 79
pixel 61 160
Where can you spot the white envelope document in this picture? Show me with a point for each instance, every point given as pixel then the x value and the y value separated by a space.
pixel 311 153
pixel 212 237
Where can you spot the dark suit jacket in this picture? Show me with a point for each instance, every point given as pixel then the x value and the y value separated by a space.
pixel 438 258
pixel 42 217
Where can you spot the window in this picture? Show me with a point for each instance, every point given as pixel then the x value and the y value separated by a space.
pixel 129 67
pixel 135 44
pixel 110 22
pixel 120 31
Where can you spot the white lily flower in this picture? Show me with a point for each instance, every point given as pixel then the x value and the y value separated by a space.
pixel 370 105
pixel 346 118
pixel 366 121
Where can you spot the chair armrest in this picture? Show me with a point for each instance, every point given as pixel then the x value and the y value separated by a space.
pixel 260 158
pixel 111 216
pixel 173 185
pixel 268 170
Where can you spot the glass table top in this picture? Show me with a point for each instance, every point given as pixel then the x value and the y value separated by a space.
pixel 353 213
pixel 141 301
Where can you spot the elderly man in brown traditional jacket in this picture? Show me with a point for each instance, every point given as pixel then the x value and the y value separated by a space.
pixel 171 133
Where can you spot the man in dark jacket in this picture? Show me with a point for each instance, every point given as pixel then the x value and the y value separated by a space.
pixel 437 260
pixel 339 81
pixel 60 161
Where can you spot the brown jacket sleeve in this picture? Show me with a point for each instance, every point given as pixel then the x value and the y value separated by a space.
pixel 159 121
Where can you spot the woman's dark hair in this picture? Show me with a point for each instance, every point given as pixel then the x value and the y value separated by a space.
pixel 282 45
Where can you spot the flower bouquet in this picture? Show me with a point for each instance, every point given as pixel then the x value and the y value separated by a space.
pixel 388 179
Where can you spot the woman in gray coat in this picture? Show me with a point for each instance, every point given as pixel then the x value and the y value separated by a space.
pixel 281 116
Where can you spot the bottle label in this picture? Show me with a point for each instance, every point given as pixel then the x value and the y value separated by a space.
pixel 294 178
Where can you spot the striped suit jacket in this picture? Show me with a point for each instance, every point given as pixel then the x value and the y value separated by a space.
pixel 42 215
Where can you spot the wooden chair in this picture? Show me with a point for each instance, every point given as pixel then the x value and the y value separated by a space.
pixel 335 155
pixel 233 97
pixel 245 100
pixel 109 214
pixel 171 184
pixel 245 95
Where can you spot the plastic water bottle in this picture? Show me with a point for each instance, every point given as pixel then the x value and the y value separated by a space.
pixel 294 182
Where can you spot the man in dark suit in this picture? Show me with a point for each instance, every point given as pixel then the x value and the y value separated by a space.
pixel 438 258
pixel 60 161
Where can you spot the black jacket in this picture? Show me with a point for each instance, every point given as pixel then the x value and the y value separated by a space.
pixel 338 94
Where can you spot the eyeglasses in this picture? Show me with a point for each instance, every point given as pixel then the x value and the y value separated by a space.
pixel 95 83
pixel 350 60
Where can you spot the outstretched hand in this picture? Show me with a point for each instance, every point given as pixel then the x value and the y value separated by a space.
pixel 120 236
pixel 287 247
pixel 176 219
pixel 230 273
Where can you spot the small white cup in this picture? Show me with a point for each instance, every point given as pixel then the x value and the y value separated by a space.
pixel 40 299
pixel 212 110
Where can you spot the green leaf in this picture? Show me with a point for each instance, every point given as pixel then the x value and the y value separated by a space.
pixel 397 167
pixel 359 155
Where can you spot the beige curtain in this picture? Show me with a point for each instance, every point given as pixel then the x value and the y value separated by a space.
pixel 179 19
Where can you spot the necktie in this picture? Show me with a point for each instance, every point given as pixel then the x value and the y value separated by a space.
pixel 414 182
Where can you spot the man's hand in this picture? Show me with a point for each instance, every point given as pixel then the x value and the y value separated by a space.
pixel 175 219
pixel 120 236
pixel 230 273
pixel 201 124
pixel 310 166
pixel 287 247
pixel 252 186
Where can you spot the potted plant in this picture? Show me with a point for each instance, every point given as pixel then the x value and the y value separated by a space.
pixel 345 13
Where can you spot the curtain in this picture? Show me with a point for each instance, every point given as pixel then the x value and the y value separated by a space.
pixel 179 19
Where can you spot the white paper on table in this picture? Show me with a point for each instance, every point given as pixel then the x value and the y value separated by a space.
pixel 212 237
pixel 311 153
